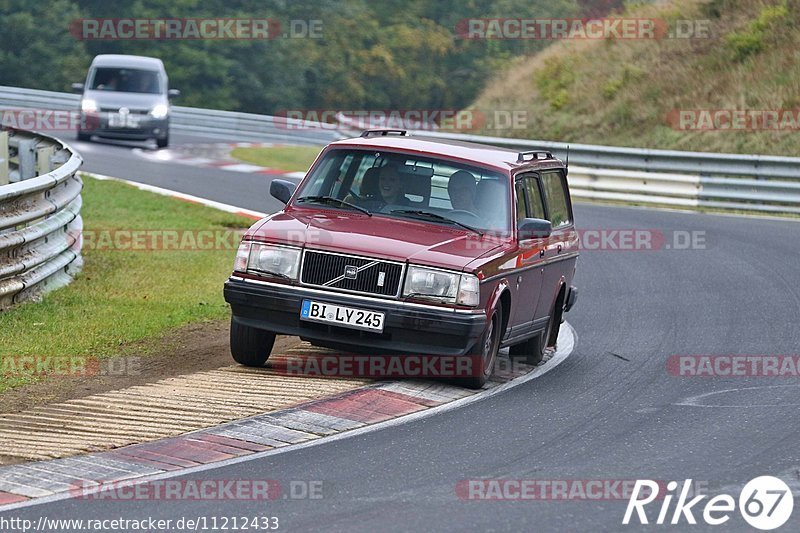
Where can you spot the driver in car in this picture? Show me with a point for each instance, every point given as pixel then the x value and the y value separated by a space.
pixel 391 186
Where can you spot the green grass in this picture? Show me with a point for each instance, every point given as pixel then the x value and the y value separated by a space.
pixel 628 92
pixel 125 296
pixel 288 158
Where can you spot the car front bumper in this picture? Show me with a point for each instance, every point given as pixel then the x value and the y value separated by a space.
pixel 408 328
pixel 146 127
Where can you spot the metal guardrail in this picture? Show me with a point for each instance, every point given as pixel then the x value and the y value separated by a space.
pixel 190 120
pixel 668 177
pixel 664 177
pixel 40 222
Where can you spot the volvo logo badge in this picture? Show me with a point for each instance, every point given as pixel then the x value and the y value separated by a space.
pixel 350 272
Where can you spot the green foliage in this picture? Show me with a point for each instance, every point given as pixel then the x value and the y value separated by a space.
pixel 554 81
pixel 371 55
pixel 751 40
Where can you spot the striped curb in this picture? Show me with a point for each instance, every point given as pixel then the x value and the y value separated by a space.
pixel 355 409
pixel 214 156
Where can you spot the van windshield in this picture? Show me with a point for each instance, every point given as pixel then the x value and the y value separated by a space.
pixel 126 80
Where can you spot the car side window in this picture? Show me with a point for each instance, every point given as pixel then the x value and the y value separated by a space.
pixel 529 198
pixel 535 205
pixel 556 193
pixel 521 207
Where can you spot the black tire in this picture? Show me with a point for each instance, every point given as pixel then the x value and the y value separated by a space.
pixel 86 137
pixel 532 350
pixel 487 348
pixel 250 346
pixel 163 143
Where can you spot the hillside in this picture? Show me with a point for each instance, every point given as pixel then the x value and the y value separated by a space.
pixel 631 92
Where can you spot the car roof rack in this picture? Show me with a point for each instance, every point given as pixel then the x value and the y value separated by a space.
pixel 536 154
pixel 382 132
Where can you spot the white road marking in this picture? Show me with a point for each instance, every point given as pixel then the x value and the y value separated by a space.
pixel 696 401
pixel 175 194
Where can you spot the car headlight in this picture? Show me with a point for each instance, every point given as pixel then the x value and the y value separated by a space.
pixel 159 111
pixel 273 260
pixel 88 105
pixel 463 289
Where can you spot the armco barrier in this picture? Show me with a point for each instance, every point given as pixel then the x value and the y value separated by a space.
pixel 668 177
pixel 664 177
pixel 188 120
pixel 40 221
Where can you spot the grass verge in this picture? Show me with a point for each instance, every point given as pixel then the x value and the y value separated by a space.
pixel 288 158
pixel 125 295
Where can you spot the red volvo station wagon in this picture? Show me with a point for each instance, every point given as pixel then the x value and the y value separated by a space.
pixel 394 243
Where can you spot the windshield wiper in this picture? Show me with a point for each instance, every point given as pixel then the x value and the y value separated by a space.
pixel 331 199
pixel 435 216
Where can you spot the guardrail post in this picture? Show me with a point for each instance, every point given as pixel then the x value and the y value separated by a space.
pixel 26 153
pixel 44 156
pixel 4 158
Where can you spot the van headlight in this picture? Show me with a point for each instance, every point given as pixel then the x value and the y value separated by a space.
pixel 159 111
pixel 88 105
pixel 268 260
pixel 449 287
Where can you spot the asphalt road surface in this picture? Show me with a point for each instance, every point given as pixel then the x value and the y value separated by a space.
pixel 611 411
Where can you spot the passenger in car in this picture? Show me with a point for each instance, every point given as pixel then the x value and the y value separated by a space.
pixel 461 189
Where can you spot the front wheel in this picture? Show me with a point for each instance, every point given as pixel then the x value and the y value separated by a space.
pixel 250 346
pixel 85 137
pixel 486 349
pixel 163 143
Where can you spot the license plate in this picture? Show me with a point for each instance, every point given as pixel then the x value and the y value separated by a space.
pixel 119 120
pixel 340 315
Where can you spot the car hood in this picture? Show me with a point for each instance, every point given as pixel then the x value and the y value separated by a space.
pixel 396 239
pixel 133 101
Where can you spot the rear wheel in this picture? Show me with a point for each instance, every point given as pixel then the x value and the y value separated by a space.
pixel 250 346
pixel 486 351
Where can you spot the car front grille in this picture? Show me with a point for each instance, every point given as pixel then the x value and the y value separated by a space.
pixel 352 274
pixel 130 111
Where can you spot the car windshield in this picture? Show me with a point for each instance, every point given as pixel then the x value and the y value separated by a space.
pixel 126 80
pixel 436 191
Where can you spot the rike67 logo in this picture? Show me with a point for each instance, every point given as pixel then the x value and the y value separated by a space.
pixel 766 503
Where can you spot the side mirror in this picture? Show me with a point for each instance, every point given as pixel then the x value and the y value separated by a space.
pixel 173 93
pixel 77 87
pixel 534 228
pixel 282 190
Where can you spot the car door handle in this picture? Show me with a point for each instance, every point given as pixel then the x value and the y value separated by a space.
pixel 559 248
pixel 541 252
